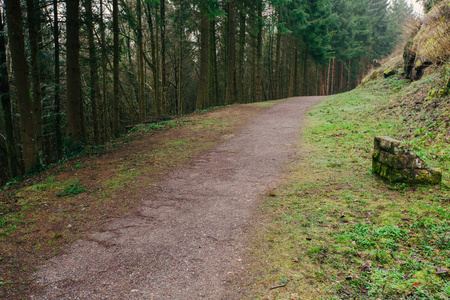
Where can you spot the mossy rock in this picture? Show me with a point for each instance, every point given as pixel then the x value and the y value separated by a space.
pixel 373 76
pixel 389 72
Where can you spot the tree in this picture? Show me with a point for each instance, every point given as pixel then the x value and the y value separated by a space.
pixel 33 25
pixel 231 55
pixel 6 107
pixel 116 54
pixel 93 72
pixel 142 104
pixel 74 107
pixel 20 70
pixel 204 55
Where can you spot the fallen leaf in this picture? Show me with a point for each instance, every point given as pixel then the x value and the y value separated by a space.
pixel 416 284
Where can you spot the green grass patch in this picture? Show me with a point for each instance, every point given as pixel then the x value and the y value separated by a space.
pixel 335 231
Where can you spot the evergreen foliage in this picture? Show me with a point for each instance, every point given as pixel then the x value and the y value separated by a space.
pixel 145 60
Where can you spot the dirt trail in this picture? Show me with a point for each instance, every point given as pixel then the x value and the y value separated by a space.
pixel 185 241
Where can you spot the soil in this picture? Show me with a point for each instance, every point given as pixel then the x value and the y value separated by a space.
pixel 186 239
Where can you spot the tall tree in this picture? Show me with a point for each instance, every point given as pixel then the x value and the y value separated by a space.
pixel 259 45
pixel 33 25
pixel 142 104
pixel 74 112
pixel 57 104
pixel 93 72
pixel 20 70
pixel 163 55
pixel 231 54
pixel 155 63
pixel 6 107
pixel 116 54
pixel 202 93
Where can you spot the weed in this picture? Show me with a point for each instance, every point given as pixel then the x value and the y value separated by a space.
pixel 71 190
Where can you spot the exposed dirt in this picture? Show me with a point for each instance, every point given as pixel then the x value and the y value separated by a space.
pixel 186 239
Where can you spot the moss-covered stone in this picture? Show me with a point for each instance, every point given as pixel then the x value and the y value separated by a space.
pixel 373 76
pixel 389 72
pixel 393 161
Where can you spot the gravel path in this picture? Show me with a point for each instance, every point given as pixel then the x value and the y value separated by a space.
pixel 185 241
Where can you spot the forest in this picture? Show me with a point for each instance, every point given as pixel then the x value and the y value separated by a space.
pixel 77 73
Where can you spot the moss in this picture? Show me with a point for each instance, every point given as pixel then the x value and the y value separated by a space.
pixel 373 76
pixel 389 72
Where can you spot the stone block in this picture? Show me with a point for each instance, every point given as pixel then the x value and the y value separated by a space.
pixel 395 162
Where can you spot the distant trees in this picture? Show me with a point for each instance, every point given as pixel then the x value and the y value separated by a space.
pixel 119 62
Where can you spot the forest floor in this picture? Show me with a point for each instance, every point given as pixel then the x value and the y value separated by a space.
pixel 160 214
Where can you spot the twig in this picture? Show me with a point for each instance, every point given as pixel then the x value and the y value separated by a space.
pixel 278 286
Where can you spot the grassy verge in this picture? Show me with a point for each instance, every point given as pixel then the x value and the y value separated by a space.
pixel 42 214
pixel 335 231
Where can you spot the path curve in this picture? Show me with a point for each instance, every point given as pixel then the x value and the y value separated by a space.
pixel 185 241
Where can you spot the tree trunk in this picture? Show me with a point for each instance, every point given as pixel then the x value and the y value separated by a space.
pixel 155 67
pixel 305 69
pixel 230 95
pixel 33 24
pixel 329 77
pixel 259 53
pixel 58 134
pixel 214 81
pixel 163 58
pixel 293 77
pixel 6 108
pixel 333 75
pixel 115 130
pixel 20 69
pixel 278 61
pixel 240 65
pixel 202 93
pixel 74 132
pixel 105 106
pixel 93 73
pixel 180 61
pixel 142 106
pixel 349 74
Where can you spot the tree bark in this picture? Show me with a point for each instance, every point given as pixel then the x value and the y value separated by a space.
pixel 240 65
pixel 259 53
pixel 163 57
pixel 333 76
pixel 58 134
pixel 115 130
pixel 202 93
pixel 33 24
pixel 278 61
pixel 104 106
pixel 142 106
pixel 93 73
pixel 180 60
pixel 74 132
pixel 349 73
pixel 6 108
pixel 155 67
pixel 231 66
pixel 20 70
pixel 305 69
pixel 214 76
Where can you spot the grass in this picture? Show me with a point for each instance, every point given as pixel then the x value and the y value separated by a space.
pixel 334 230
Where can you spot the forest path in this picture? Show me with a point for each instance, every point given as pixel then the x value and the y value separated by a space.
pixel 186 240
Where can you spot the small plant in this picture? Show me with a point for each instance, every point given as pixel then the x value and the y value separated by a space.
pixel 71 190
